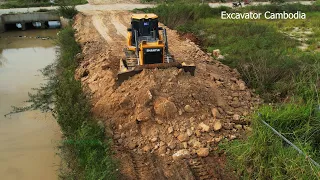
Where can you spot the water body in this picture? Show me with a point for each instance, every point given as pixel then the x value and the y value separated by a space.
pixel 28 140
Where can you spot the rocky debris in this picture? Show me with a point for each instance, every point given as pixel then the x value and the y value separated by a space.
pixel 247 128
pixel 170 129
pixel 183 137
pixel 238 126
pixel 216 52
pixel 165 108
pixel 172 145
pixel 236 117
pixel 163 111
pixel 181 154
pixel 144 115
pixel 217 126
pixel 204 127
pixel 188 109
pixel 146 148
pixel 203 152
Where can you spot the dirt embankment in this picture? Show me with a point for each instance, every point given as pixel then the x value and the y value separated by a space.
pixel 163 121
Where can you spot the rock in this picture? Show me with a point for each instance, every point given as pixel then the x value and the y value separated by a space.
pixel 235 104
pixel 172 144
pixel 165 108
pixel 235 94
pixel 120 141
pixel 188 109
pixel 146 148
pixel 122 135
pixel 247 128
pixel 154 139
pixel 170 129
pixel 144 115
pixel 198 133
pixel 232 137
pixel 217 139
pixel 203 152
pixel 228 126
pixel 183 137
pixel 159 121
pixel 238 126
pixel 185 145
pixel 220 57
pixel 181 154
pixel 189 132
pixel 195 144
pixel 162 150
pixel 215 113
pixel 216 52
pixel 132 145
pixel 242 86
pixel 156 146
pixel 217 126
pixel 229 112
pixel 233 79
pixel 236 117
pixel 204 127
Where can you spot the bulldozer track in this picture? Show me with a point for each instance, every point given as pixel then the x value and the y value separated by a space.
pixel 142 165
pixel 199 169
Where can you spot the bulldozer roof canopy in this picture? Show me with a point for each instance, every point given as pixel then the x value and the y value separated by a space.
pixel 144 16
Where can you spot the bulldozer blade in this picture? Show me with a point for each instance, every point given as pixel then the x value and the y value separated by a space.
pixel 122 76
pixel 126 75
pixel 187 68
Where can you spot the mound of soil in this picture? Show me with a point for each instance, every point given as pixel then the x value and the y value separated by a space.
pixel 165 112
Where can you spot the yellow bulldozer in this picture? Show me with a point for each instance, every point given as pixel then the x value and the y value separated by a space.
pixel 147 48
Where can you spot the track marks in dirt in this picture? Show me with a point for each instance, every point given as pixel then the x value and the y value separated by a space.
pixel 121 29
pixel 145 168
pixel 199 169
pixel 101 28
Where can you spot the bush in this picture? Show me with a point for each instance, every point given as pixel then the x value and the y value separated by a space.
pixel 85 140
pixel 39 3
pixel 67 11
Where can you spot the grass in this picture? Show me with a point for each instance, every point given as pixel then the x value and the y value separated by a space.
pixel 38 3
pixel 84 141
pixel 270 62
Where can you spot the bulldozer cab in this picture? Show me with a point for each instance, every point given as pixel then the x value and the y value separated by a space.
pixel 146 26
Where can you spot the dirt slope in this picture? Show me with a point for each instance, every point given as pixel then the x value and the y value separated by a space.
pixel 161 115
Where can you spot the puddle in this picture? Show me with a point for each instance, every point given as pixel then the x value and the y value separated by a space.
pixel 27 140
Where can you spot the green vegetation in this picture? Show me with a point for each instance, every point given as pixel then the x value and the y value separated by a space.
pixel 67 11
pixel 266 54
pixel 38 3
pixel 84 148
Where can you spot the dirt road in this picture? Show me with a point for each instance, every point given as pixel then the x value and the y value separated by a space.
pixel 163 122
